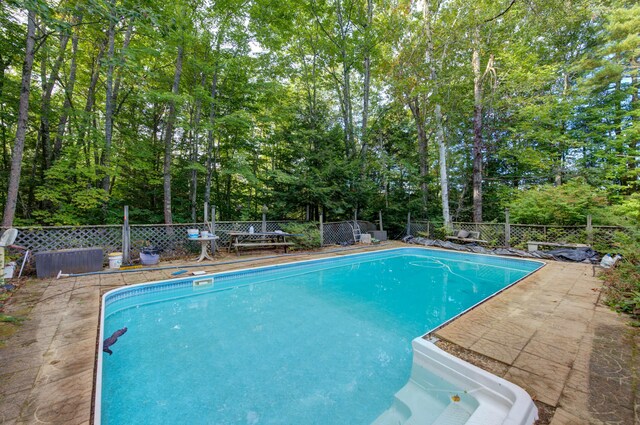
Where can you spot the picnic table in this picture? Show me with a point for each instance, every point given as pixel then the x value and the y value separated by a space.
pixel 258 239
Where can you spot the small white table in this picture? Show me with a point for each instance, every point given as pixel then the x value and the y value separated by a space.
pixel 204 242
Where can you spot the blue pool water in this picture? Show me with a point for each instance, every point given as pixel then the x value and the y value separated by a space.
pixel 322 342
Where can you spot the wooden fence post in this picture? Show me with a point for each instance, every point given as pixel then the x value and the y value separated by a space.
pixel 264 218
pixel 212 229
pixel 321 231
pixel 126 237
pixel 409 223
pixel 380 217
pixel 589 230
pixel 507 229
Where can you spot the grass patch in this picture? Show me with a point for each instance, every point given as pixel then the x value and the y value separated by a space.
pixel 5 318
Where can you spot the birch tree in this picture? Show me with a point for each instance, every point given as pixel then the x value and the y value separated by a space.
pixel 23 113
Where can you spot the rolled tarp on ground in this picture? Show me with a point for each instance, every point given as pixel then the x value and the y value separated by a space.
pixel 584 255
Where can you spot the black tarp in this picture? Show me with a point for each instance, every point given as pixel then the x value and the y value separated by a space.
pixel 585 255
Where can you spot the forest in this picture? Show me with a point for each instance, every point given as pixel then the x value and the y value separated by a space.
pixel 451 110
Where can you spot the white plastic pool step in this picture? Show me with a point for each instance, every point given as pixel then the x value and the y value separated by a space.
pixel 485 399
pixel 414 405
pixel 454 414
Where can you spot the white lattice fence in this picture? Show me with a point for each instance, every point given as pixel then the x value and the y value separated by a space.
pixel 341 232
pixel 172 240
pixel 520 234
pixel 63 237
pixel 600 236
pixel 493 233
pixel 421 228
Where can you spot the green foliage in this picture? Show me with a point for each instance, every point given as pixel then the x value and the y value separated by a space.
pixel 11 319
pixel 308 235
pixel 628 210
pixel 441 232
pixel 271 129
pixel 568 204
pixel 622 283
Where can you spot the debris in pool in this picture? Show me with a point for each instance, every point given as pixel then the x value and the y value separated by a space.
pixel 112 340
pixel 455 398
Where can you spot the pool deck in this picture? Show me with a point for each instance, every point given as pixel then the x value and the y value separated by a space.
pixel 549 334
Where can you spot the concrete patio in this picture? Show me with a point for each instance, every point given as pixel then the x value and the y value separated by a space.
pixel 548 334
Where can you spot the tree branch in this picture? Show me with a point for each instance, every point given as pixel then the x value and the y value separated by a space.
pixel 501 13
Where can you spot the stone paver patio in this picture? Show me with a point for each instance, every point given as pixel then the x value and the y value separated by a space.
pixel 547 334
pixel 552 336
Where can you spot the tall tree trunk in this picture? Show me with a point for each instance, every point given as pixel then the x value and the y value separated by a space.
pixel 211 160
pixel 444 177
pixel 85 120
pixel 122 56
pixel 168 139
pixel 211 157
pixel 477 128
pixel 423 157
pixel 68 93
pixel 346 83
pixel 23 112
pixel 366 83
pixel 108 110
pixel 3 126
pixel 632 155
pixel 195 141
pixel 111 98
pixel 558 167
pixel 439 130
pixel 45 106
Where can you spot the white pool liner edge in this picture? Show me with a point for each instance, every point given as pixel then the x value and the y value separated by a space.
pixel 494 394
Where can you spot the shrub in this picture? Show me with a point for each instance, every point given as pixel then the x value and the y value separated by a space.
pixel 568 204
pixel 309 235
pixel 622 283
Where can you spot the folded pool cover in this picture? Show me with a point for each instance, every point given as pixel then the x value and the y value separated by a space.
pixel 585 255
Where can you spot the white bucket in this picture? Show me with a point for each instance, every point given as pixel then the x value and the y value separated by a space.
pixel 115 260
pixel 9 270
pixel 193 233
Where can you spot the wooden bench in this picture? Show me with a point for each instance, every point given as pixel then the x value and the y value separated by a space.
pixel 533 245
pixel 261 244
pixel 473 237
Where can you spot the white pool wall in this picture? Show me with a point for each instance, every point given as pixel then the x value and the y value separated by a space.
pixel 500 401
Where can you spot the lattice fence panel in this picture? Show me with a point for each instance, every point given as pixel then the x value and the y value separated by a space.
pixel 337 232
pixel 63 237
pixel 493 233
pixel 223 227
pixel 39 239
pixel 421 228
pixel 602 237
pixel 341 232
pixel 173 242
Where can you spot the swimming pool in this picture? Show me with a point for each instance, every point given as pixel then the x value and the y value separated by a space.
pixel 316 342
